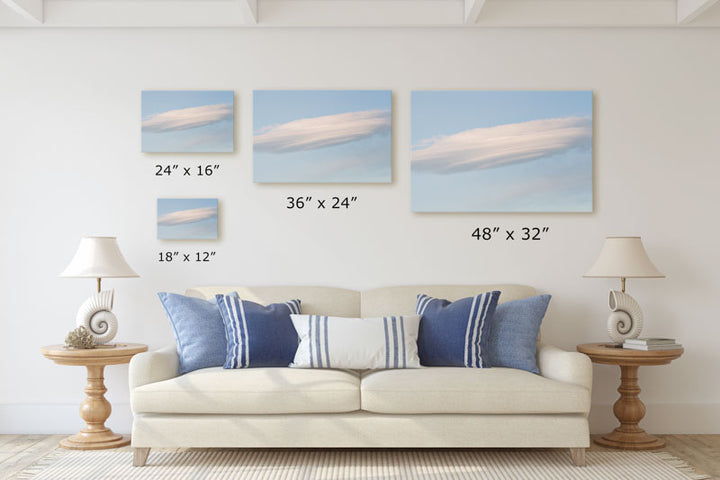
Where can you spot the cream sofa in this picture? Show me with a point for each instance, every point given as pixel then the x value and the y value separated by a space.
pixel 434 407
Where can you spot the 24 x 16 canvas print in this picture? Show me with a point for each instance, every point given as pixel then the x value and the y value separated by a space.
pixel 188 121
pixel 322 136
pixel 502 151
pixel 187 218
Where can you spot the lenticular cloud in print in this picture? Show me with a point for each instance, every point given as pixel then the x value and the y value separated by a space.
pixel 502 151
pixel 188 121
pixel 187 218
pixel 327 136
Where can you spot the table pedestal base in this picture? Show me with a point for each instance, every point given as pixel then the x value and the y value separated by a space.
pixel 629 410
pixel 630 441
pixel 83 441
pixel 95 409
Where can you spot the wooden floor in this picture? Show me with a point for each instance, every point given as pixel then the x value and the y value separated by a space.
pixel 20 451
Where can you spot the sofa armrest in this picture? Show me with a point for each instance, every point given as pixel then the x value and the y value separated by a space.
pixel 569 367
pixel 151 367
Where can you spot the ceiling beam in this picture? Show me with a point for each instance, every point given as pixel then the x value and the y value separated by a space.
pixel 29 9
pixel 689 10
pixel 472 10
pixel 357 13
pixel 249 8
pixel 578 13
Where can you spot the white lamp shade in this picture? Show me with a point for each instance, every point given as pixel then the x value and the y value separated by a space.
pixel 98 257
pixel 623 257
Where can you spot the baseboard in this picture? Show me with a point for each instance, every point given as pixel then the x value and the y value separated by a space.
pixel 37 418
pixel 65 419
pixel 678 418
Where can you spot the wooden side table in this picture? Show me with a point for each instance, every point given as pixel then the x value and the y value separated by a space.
pixel 629 410
pixel 95 409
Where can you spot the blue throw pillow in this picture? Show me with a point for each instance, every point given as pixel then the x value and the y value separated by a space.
pixel 258 336
pixel 199 331
pixel 514 332
pixel 454 334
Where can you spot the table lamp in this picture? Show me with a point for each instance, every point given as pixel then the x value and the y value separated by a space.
pixel 98 257
pixel 623 257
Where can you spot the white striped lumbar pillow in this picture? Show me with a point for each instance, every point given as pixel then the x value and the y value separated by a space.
pixel 356 343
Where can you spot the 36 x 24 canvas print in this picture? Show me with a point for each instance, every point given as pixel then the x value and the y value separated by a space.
pixel 322 136
pixel 187 218
pixel 502 151
pixel 177 121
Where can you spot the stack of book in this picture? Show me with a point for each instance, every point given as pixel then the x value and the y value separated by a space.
pixel 651 344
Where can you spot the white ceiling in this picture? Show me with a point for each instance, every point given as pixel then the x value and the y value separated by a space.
pixel 359 13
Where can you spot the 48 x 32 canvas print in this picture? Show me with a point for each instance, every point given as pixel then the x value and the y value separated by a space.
pixel 502 151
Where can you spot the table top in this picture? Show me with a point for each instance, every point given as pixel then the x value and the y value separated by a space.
pixel 612 354
pixel 102 355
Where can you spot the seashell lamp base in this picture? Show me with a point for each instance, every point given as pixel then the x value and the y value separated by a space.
pixel 626 317
pixel 96 315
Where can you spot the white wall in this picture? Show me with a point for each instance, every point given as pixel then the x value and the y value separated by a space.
pixel 70 164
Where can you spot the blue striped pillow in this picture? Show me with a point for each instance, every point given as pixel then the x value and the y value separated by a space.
pixel 454 334
pixel 257 335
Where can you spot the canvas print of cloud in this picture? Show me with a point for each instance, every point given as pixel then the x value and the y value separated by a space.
pixel 187 218
pixel 502 151
pixel 327 136
pixel 188 121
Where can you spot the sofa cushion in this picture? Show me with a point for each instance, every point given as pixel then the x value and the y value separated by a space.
pixel 469 390
pixel 251 391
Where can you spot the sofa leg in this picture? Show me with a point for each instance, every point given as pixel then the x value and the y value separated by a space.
pixel 140 456
pixel 578 456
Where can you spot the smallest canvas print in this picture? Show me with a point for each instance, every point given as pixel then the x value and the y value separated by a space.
pixel 187 218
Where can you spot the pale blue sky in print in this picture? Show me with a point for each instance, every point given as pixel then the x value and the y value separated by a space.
pixel 318 136
pixel 502 151
pixel 187 218
pixel 188 121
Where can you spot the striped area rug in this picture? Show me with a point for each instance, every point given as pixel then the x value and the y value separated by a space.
pixel 357 464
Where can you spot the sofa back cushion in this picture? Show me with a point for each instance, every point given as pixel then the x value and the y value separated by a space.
pixel 377 302
pixel 338 302
pixel 401 300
